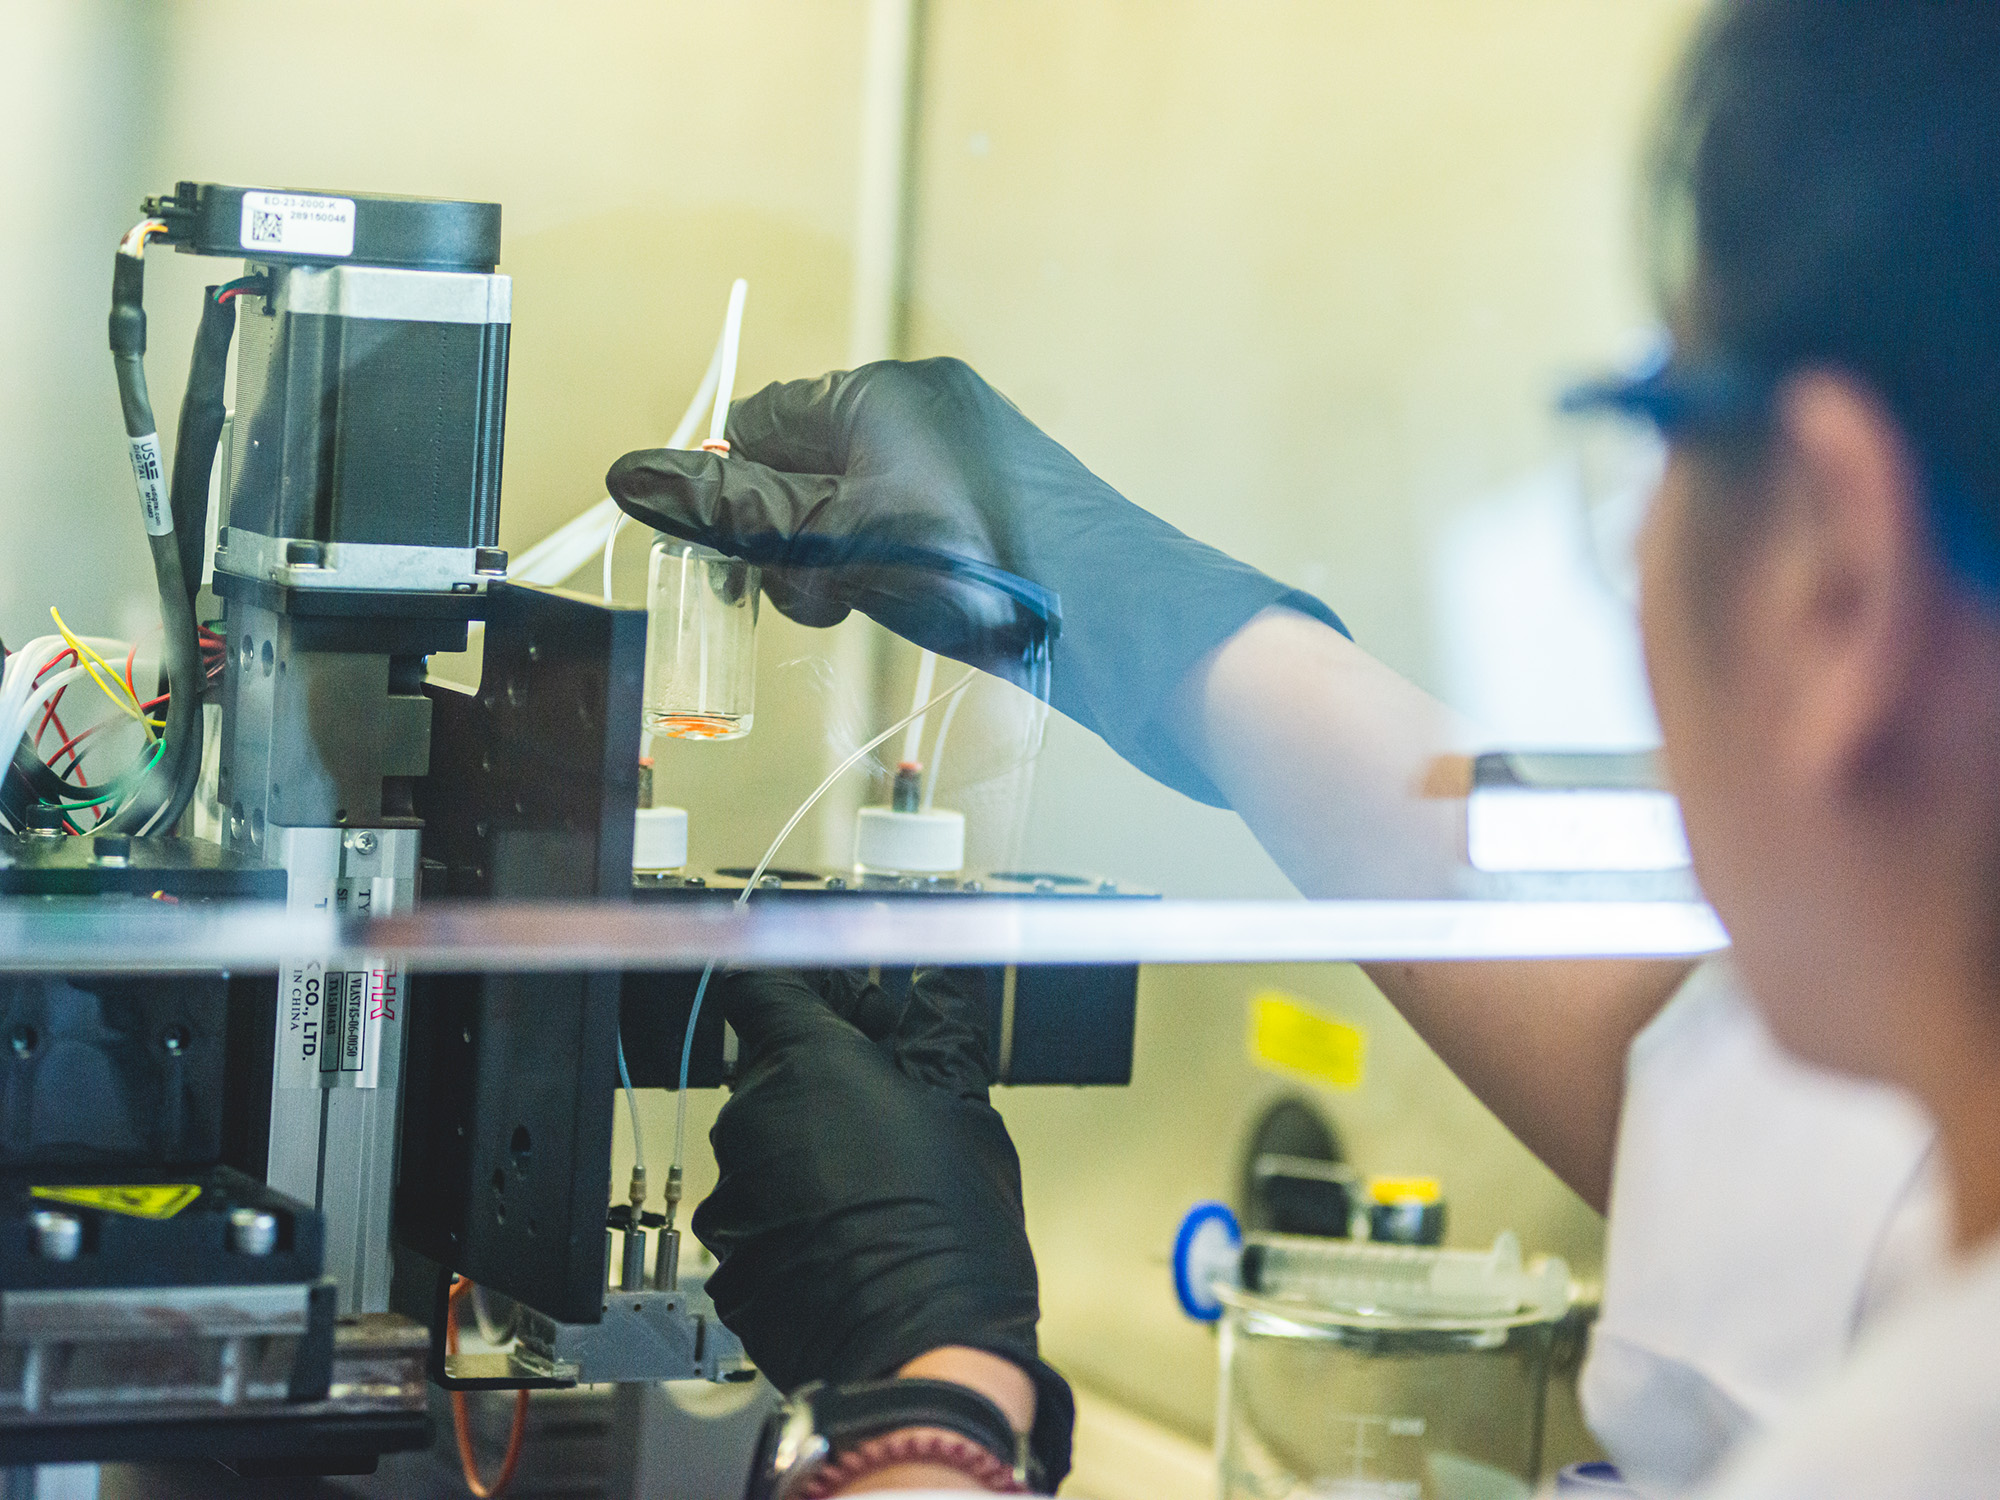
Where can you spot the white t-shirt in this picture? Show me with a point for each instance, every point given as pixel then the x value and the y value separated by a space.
pixel 1915 1416
pixel 1762 1213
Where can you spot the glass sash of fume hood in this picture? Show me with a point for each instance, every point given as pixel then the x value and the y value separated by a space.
pixel 113 936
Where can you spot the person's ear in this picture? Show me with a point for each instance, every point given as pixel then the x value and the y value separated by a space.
pixel 1844 580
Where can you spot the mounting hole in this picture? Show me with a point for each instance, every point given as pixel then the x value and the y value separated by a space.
pixel 24 1040
pixel 499 1182
pixel 522 1146
pixel 176 1039
pixel 269 657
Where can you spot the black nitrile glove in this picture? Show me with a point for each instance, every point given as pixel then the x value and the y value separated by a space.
pixel 869 1207
pixel 919 495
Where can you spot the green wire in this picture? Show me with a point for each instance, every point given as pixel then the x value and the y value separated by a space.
pixel 152 760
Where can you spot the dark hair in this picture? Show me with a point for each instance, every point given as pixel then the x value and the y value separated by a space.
pixel 1826 191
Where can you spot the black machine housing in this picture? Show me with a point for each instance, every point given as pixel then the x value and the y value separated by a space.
pixel 357 536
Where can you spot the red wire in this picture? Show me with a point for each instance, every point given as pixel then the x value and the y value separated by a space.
pixel 130 657
pixel 78 739
pixel 51 717
pixel 56 701
pixel 461 1421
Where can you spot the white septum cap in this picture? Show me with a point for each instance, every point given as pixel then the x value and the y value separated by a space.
pixel 909 843
pixel 660 838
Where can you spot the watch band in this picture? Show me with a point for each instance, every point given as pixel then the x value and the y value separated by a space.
pixel 821 1422
pixel 914 1446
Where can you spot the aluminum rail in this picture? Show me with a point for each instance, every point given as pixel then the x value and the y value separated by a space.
pixel 526 937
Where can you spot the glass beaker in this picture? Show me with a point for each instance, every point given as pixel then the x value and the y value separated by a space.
pixel 701 642
pixel 1374 1402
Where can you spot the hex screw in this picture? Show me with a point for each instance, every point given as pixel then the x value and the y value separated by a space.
pixel 253 1231
pixel 57 1236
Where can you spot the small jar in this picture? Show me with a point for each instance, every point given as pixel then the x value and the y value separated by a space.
pixel 701 642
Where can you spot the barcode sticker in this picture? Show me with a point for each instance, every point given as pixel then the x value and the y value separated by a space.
pixel 147 469
pixel 298 224
pixel 333 1024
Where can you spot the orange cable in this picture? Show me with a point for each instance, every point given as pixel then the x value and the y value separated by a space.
pixel 461 1422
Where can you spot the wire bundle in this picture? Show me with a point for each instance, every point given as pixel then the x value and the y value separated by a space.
pixel 33 686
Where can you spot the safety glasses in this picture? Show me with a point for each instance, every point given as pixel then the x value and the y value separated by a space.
pixel 1619 430
pixel 1624 423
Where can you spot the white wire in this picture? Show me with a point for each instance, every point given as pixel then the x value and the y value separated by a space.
pixel 694 1012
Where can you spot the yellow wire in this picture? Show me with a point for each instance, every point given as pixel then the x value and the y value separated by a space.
pixel 120 695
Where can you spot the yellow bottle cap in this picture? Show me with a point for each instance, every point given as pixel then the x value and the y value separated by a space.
pixel 1404 1190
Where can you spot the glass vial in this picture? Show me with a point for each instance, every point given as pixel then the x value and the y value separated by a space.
pixel 701 642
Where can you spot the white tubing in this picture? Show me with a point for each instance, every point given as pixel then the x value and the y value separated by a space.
pixel 732 341
pixel 682 435
pixel 690 422
pixel 565 550
pixel 22 665
pixel 926 674
pixel 680 1106
pixel 937 748
pixel 17 726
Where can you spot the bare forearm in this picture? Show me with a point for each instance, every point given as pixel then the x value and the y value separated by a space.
pixel 1354 780
pixel 1542 1045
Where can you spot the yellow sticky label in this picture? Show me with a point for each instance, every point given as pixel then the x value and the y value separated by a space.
pixel 153 1200
pixel 1286 1034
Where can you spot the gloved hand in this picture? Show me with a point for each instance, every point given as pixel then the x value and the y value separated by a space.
pixel 919 495
pixel 869 1207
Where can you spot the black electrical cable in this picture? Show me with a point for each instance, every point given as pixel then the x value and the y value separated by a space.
pixel 200 431
pixel 167 787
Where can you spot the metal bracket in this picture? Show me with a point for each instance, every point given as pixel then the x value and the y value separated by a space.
pixel 643 1337
pixel 483 1372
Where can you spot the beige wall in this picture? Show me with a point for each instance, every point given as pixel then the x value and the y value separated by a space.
pixel 1299 276
pixel 1302 278
pixel 73 87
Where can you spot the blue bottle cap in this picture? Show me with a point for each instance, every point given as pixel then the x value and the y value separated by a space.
pixel 1207 1250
